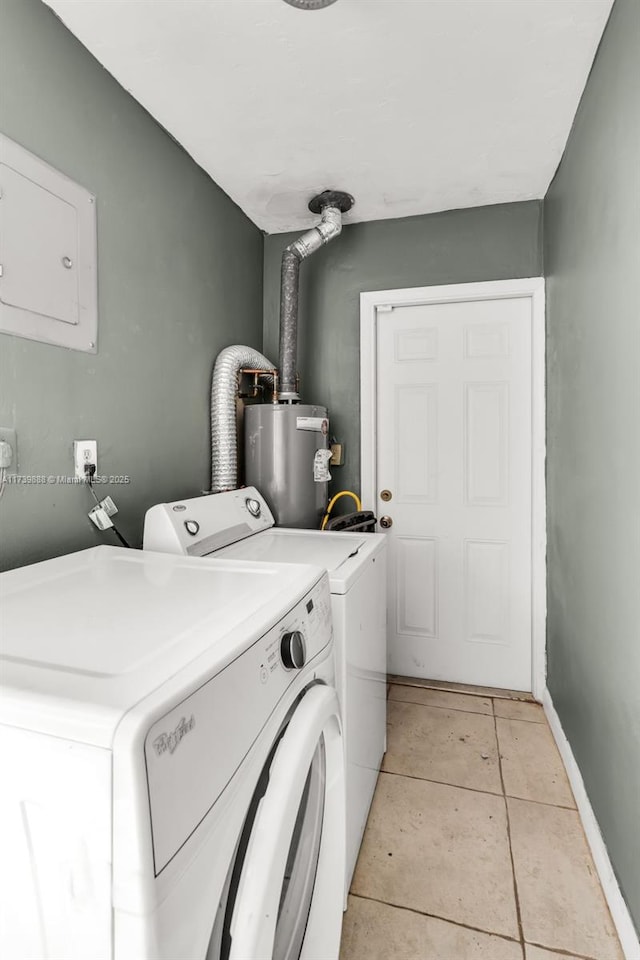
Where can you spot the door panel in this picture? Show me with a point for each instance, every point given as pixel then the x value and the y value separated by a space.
pixel 417 586
pixel 454 441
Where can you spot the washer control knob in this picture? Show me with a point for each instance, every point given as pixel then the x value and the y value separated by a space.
pixel 253 506
pixel 292 650
pixel 192 527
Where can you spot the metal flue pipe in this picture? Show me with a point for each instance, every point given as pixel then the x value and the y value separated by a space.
pixel 331 205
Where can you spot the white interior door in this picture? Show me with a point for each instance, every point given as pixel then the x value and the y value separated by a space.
pixel 454 451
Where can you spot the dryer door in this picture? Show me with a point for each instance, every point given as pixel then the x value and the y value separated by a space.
pixel 289 899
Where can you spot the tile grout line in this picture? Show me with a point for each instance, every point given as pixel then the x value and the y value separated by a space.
pixel 560 951
pixel 467 926
pixel 443 783
pixel 474 713
pixel 441 706
pixel 538 723
pixel 513 866
pixel 488 793
pixel 436 916
pixel 466 692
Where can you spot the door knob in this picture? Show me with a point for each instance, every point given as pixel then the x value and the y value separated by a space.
pixel 386 495
pixel 386 522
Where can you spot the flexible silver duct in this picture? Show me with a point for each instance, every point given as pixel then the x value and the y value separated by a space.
pixel 331 204
pixel 224 388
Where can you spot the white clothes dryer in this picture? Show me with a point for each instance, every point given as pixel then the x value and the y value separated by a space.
pixel 173 769
pixel 239 525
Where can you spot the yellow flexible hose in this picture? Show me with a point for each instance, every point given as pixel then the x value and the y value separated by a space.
pixel 334 500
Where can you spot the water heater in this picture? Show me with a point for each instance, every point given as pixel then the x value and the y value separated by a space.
pixel 286 458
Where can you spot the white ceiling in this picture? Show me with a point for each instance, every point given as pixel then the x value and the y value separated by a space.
pixel 412 106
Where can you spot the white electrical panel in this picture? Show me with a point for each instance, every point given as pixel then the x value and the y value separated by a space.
pixel 48 257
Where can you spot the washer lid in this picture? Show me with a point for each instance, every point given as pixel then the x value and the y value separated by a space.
pixel 90 634
pixel 343 555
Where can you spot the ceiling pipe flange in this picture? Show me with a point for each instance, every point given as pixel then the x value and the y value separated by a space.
pixel 332 198
pixel 309 4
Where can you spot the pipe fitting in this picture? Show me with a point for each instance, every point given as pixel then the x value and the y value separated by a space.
pixel 329 227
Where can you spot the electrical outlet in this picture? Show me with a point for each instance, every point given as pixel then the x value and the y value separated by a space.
pixel 85 452
pixel 8 434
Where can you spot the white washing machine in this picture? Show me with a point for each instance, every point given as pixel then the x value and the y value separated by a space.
pixel 239 525
pixel 172 761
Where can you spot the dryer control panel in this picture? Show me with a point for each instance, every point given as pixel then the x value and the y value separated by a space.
pixel 194 750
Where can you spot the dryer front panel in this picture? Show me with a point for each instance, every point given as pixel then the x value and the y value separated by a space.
pixel 193 751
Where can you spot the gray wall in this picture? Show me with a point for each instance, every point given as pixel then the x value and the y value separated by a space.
pixel 592 262
pixel 459 246
pixel 180 277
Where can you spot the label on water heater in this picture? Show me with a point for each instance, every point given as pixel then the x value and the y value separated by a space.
pixel 321 466
pixel 317 424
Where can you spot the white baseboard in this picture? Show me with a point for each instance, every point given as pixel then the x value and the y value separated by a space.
pixel 619 910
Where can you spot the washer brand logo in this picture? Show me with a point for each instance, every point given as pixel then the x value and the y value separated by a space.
pixel 171 741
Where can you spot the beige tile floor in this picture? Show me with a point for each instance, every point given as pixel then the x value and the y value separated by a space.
pixel 473 849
